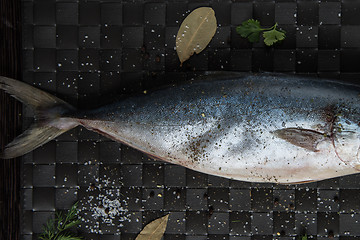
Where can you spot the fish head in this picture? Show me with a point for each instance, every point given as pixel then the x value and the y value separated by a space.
pixel 346 140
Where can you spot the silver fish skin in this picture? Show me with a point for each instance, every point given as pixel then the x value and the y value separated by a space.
pixel 258 128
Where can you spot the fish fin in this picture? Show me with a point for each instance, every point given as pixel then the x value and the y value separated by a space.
pixel 32 138
pixel 305 138
pixel 301 182
pixel 30 95
pixel 49 111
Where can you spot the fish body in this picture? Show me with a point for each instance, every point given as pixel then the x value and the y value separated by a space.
pixel 258 128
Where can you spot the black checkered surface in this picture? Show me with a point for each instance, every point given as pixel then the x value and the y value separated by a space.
pixel 88 52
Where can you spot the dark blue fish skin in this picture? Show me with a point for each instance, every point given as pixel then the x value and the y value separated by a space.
pixel 246 96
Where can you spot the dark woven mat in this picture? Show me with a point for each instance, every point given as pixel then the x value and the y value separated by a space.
pixel 10 124
pixel 83 50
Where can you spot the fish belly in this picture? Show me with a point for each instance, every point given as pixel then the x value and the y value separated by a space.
pixel 234 152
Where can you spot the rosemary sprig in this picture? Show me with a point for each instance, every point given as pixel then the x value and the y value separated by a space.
pixel 59 228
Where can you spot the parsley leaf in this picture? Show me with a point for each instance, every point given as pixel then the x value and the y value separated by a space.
pixel 273 36
pixel 251 30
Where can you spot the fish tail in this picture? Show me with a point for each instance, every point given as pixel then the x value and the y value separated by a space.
pixel 50 117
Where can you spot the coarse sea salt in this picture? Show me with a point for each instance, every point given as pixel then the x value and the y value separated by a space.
pixel 103 207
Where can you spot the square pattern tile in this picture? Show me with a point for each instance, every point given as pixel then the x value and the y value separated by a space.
pixel 85 50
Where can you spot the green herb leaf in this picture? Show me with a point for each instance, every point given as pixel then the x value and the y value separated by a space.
pixel 59 228
pixel 72 224
pixel 273 36
pixel 304 237
pixel 250 29
pixel 68 236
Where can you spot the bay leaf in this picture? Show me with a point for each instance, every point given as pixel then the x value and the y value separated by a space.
pixel 154 230
pixel 195 32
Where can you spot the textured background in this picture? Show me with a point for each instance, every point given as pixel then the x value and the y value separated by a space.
pixel 10 119
pixel 89 51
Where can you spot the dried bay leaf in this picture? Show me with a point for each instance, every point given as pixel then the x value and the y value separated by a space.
pixel 154 230
pixel 195 32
